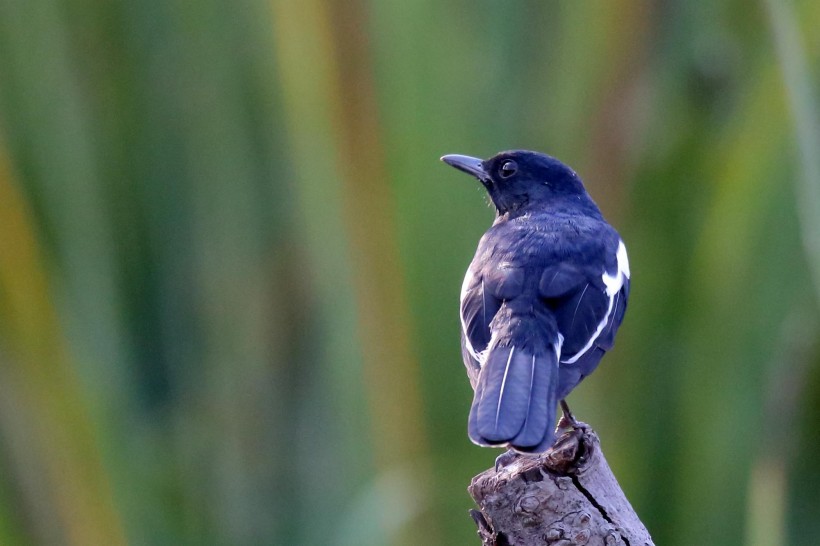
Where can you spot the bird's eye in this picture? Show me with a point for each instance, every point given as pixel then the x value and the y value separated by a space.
pixel 508 168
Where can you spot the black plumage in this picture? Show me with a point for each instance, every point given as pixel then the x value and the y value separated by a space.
pixel 542 299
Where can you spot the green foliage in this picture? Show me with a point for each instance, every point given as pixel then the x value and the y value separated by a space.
pixel 230 261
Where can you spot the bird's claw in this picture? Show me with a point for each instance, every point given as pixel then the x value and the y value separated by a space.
pixel 567 420
pixel 505 459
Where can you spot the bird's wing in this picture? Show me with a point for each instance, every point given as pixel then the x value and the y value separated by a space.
pixel 470 361
pixel 478 307
pixel 482 294
pixel 573 373
pixel 607 338
pixel 588 300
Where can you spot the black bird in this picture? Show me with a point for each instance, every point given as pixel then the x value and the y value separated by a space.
pixel 542 299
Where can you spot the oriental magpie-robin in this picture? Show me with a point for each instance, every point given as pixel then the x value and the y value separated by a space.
pixel 542 299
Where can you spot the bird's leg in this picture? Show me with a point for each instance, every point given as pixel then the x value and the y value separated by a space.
pixel 567 418
pixel 505 458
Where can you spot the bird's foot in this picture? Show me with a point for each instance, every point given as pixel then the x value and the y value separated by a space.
pixel 567 420
pixel 505 459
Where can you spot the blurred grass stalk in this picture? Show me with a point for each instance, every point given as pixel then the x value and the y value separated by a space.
pixel 786 380
pixel 768 483
pixel 802 98
pixel 325 66
pixel 44 422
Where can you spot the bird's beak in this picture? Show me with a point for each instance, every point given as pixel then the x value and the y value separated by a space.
pixel 470 165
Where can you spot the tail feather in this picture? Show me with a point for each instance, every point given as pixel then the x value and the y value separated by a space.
pixel 501 409
pixel 515 399
pixel 472 424
pixel 541 413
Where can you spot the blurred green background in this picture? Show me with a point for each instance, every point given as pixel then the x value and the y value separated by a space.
pixel 230 260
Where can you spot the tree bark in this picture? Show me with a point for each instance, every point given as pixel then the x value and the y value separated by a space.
pixel 566 496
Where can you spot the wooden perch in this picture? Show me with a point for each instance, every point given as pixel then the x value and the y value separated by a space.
pixel 567 496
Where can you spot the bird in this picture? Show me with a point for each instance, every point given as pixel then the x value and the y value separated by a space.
pixel 541 300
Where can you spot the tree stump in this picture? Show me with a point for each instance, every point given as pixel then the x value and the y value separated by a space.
pixel 565 496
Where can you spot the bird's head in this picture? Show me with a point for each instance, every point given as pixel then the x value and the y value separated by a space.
pixel 520 178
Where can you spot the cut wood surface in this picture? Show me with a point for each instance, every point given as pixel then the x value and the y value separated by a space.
pixel 566 496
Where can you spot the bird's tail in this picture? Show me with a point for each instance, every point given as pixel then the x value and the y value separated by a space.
pixel 515 399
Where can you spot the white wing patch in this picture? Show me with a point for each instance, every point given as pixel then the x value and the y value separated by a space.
pixel 465 288
pixel 623 261
pixel 613 284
